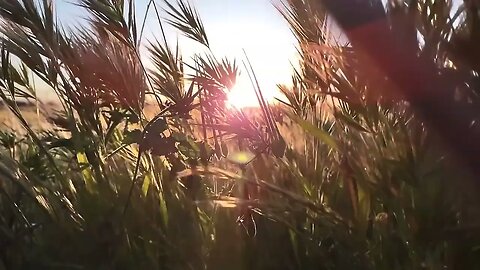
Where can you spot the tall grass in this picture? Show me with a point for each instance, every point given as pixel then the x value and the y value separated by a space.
pixel 344 174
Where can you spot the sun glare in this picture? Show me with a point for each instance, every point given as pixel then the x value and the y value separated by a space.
pixel 242 95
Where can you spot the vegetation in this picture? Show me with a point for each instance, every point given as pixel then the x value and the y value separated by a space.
pixel 362 183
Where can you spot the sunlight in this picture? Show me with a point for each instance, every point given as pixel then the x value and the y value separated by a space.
pixel 242 95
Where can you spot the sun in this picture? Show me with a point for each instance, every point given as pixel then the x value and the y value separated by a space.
pixel 242 95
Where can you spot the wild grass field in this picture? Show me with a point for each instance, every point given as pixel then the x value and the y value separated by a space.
pixel 361 166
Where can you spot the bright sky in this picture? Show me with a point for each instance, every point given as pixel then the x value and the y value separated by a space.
pixel 231 25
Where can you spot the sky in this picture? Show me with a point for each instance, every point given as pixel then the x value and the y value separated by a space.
pixel 232 26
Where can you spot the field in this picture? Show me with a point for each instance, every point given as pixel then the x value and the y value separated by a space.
pixel 8 120
pixel 353 170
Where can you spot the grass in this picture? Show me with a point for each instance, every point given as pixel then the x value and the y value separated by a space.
pixel 347 173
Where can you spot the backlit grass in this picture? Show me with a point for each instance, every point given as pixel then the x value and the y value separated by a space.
pixel 342 174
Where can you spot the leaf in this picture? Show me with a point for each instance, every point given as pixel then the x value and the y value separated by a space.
pixel 189 148
pixel 146 184
pixel 45 204
pixel 364 206
pixel 210 170
pixel 62 142
pixel 159 125
pixel 186 19
pixel 133 118
pixel 228 201
pixel 314 131
pixel 163 208
pixel 162 146
pixel 86 172
pixel 351 122
pixel 115 119
pixel 231 203
pixel 133 136
pixel 278 147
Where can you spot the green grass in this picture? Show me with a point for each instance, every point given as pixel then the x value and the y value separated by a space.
pixel 343 175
